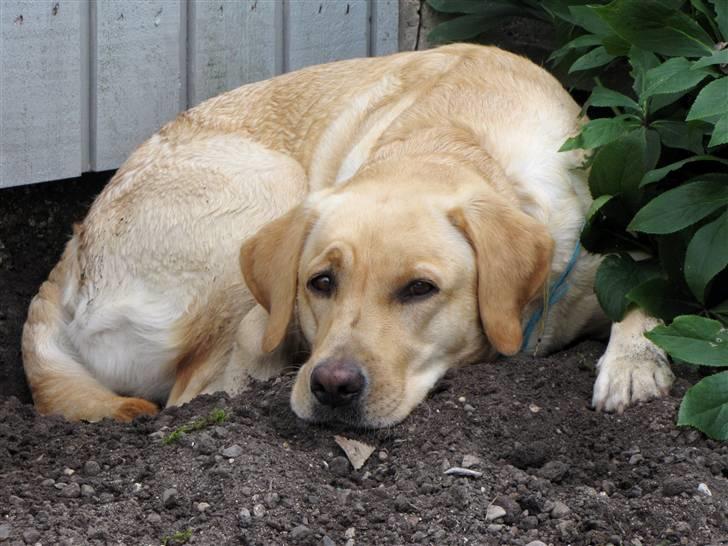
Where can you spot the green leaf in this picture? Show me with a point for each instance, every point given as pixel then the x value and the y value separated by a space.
pixel 707 255
pixel 641 61
pixel 720 132
pixel 601 96
pixel 660 298
pixel 680 207
pixel 616 276
pixel 604 228
pixel 694 339
pixel 492 8
pixel 596 57
pixel 672 76
pixel 587 18
pixel 656 26
pixel 718 57
pixel 461 28
pixel 711 101
pixel 680 134
pixel 587 40
pixel 619 166
pixel 615 45
pixel 720 308
pixel 599 132
pixel 661 101
pixel 705 406
pixel 721 11
pixel 658 174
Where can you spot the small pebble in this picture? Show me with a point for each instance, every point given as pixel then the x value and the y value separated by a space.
pixel 300 532
pixel 259 510
pixel 232 452
pixel 48 482
pixel 31 536
pixel 468 408
pixel 383 455
pixel 202 507
pixel 461 399
pixel 87 491
pixel 554 471
pixel 69 471
pixel 170 497
pixel 328 541
pixel 339 466
pixel 470 461
pixel 637 458
pixel 494 512
pixel 529 522
pixel 244 517
pixel 560 510
pixel 536 543
pixel 349 533
pixel 5 530
pixel 609 487
pixel 71 491
pixel 91 468
pixel 154 518
pixel 495 528
pixel 704 490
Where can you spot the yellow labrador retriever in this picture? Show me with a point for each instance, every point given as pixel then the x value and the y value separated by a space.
pixel 398 216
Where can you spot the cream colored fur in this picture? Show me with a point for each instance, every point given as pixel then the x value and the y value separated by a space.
pixel 441 165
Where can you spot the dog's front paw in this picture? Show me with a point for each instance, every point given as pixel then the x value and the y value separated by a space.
pixel 624 380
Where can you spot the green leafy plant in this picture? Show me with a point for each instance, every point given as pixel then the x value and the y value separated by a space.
pixel 177 538
pixel 216 417
pixel 658 165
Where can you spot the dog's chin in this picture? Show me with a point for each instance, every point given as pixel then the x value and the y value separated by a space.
pixel 355 416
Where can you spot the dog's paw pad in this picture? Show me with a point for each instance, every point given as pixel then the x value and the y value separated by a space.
pixel 129 408
pixel 623 381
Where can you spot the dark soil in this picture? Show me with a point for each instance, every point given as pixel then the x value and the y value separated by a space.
pixel 552 469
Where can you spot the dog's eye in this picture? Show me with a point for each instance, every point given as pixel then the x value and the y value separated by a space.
pixel 416 290
pixel 322 284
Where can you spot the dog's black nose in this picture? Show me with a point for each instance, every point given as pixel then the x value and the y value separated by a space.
pixel 337 382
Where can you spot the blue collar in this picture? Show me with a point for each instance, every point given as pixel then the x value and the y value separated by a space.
pixel 556 292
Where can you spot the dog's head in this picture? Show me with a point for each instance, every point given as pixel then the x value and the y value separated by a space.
pixel 395 277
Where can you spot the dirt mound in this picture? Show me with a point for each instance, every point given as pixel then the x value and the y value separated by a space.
pixel 552 470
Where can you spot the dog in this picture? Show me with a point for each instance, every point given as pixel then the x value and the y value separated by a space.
pixel 390 218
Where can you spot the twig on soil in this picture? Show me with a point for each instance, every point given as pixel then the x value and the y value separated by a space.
pixel 465 472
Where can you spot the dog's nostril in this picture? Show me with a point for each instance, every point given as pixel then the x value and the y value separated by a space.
pixel 337 382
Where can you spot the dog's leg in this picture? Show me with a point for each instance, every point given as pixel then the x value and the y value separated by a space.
pixel 632 369
pixel 230 369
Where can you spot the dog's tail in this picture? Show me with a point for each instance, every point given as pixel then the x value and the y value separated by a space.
pixel 60 383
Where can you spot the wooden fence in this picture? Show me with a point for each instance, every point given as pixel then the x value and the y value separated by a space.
pixel 83 82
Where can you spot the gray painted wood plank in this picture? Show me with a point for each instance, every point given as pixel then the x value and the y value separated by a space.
pixel 385 27
pixel 323 31
pixel 40 86
pixel 138 81
pixel 232 42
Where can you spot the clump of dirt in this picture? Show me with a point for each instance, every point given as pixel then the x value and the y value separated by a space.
pixel 246 471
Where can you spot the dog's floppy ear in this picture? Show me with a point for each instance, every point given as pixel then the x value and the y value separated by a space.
pixel 513 255
pixel 269 262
